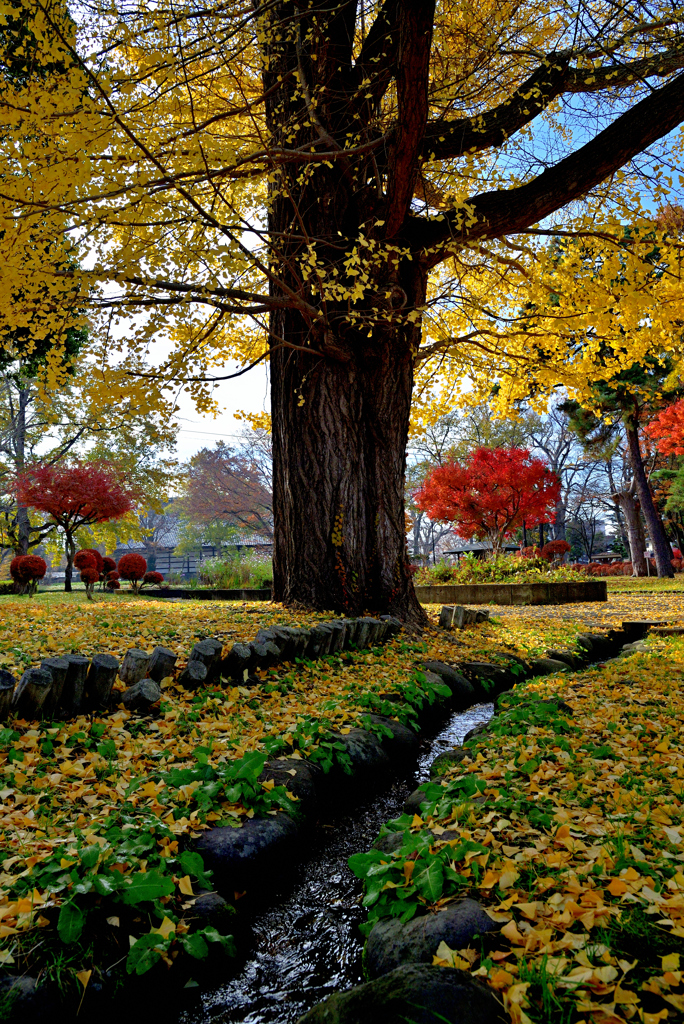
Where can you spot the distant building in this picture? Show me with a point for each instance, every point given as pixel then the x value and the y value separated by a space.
pixel 158 550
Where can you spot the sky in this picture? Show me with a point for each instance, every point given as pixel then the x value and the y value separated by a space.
pixel 249 393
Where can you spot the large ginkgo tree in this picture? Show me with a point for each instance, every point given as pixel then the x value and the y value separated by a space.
pixel 299 180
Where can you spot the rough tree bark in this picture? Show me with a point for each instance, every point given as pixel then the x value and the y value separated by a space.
pixel 661 547
pixel 635 531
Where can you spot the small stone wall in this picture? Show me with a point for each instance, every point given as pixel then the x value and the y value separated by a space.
pixel 514 593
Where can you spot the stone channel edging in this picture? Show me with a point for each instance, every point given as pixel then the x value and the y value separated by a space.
pixel 398 956
pixel 514 593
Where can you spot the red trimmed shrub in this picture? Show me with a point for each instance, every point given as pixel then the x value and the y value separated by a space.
pixel 132 567
pixel 108 565
pixel 627 568
pixel 26 570
pixel 99 560
pixel 530 552
pixel 90 576
pixel 84 559
pixel 113 585
pixel 553 549
pixel 152 579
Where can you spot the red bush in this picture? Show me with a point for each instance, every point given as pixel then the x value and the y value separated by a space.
pixel 627 568
pixel 132 567
pixel 108 565
pixel 89 574
pixel 84 559
pixel 25 568
pixel 99 560
pixel 113 575
pixel 530 552
pixel 554 548
pixel 113 585
pixel 153 578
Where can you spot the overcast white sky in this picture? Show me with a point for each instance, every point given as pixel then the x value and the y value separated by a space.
pixel 249 393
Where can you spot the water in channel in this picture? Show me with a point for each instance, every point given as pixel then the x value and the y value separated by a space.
pixel 307 944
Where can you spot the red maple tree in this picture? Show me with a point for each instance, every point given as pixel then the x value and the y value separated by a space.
pixel 492 494
pixel 666 429
pixel 74 496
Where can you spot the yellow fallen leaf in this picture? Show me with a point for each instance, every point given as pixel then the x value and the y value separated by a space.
pixel 670 962
pixel 166 928
pixel 185 886
pixel 84 977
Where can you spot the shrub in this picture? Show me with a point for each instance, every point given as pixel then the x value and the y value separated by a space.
pixel 132 567
pixel 90 576
pixel 554 549
pixel 530 552
pixel 26 570
pixel 233 572
pixel 108 565
pixel 152 579
pixel 97 558
pixel 112 580
pixel 84 559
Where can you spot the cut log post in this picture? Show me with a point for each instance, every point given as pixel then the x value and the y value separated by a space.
pixel 361 638
pixel 193 675
pixel 100 680
pixel 208 653
pixel 446 616
pixel 339 632
pixel 162 664
pixel 236 663
pixel 74 684
pixel 59 668
pixel 32 692
pixel 141 696
pixel 134 667
pixel 7 684
pixel 352 632
pixel 394 624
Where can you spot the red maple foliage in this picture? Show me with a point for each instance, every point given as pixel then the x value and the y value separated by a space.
pixel 108 565
pixel 132 567
pixel 492 494
pixel 666 429
pixel 75 496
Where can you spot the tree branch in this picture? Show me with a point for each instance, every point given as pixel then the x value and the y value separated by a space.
pixel 504 212
pixel 415 39
pixel 445 139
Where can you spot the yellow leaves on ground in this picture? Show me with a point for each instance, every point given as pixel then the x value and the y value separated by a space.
pixel 583 824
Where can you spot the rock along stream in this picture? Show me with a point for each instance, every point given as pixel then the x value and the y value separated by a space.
pixel 307 944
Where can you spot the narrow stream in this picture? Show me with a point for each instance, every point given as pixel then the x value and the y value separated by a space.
pixel 307 944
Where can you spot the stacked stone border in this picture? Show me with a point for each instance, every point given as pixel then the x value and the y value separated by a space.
pixel 65 687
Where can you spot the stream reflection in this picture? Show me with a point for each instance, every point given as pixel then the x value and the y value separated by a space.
pixel 307 945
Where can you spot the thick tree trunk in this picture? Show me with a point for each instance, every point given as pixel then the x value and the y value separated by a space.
pixel 70 551
pixel 635 531
pixel 340 429
pixel 559 521
pixel 661 547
